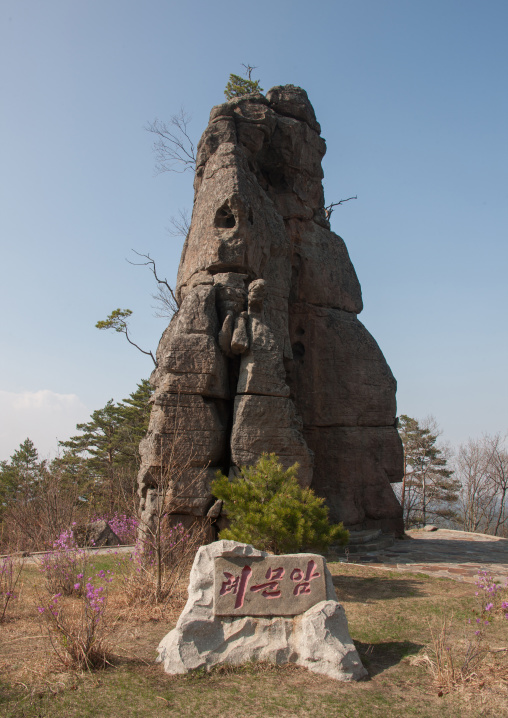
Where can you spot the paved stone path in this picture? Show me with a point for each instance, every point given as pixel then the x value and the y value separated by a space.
pixel 445 553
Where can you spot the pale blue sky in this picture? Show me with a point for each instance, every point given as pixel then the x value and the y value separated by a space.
pixel 412 99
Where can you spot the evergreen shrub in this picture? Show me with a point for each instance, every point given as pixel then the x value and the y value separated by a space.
pixel 268 508
pixel 238 86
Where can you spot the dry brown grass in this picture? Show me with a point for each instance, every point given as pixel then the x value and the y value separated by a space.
pixel 155 585
pixel 461 663
pixel 433 616
pixel 388 618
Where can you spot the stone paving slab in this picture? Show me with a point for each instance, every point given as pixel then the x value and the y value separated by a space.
pixel 445 553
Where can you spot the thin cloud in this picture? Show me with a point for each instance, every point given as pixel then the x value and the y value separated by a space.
pixel 44 416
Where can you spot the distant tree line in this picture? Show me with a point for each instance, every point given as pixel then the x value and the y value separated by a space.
pixel 467 489
pixel 95 474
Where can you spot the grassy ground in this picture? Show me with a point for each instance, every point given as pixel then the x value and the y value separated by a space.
pixel 388 615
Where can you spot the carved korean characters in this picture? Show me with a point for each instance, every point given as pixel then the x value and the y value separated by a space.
pixel 273 586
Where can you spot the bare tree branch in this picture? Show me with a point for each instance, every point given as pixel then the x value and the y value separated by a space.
pixel 179 226
pixel 173 147
pixel 117 320
pixel 329 208
pixel 148 353
pixel 167 304
pixel 482 466
pixel 248 70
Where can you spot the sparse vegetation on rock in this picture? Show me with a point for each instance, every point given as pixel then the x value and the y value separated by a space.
pixel 238 86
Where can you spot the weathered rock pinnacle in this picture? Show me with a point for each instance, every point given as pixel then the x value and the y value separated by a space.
pixel 266 353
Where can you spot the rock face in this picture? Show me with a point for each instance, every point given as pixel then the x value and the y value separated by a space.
pixel 266 353
pixel 96 533
pixel 317 639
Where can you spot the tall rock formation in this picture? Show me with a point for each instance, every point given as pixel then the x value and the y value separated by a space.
pixel 266 353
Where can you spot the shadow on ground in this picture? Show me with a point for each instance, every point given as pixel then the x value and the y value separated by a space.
pixel 376 588
pixel 378 657
pixel 449 550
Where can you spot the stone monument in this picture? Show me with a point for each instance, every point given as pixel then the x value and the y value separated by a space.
pixel 245 605
pixel 266 353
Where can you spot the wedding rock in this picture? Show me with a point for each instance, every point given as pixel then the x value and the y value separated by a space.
pixel 266 352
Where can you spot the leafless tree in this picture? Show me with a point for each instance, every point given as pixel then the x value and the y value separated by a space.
pixel 477 495
pixel 173 148
pixel 38 513
pixel 499 475
pixel 179 226
pixel 167 304
pixel 482 467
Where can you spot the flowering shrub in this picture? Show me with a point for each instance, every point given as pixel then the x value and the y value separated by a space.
pixel 63 567
pixel 9 576
pixel 124 526
pixel 78 632
pixel 490 605
pixel 449 664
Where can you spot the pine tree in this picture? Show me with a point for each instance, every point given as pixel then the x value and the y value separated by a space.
pixel 75 474
pixel 105 455
pixel 429 489
pixel 99 440
pixel 238 86
pixel 135 415
pixel 268 508
pixel 98 446
pixel 20 476
pixel 6 483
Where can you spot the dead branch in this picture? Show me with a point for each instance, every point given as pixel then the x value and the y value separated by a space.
pixel 173 147
pixel 179 226
pixel 248 70
pixel 329 208
pixel 143 351
pixel 167 304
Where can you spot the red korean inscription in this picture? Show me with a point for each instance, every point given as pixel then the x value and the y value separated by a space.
pixel 236 585
pixel 268 585
pixel 271 589
pixel 304 579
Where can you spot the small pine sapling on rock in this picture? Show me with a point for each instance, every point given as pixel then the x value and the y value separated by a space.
pixel 267 507
pixel 238 86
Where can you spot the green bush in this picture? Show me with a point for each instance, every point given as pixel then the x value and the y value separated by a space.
pixel 268 508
